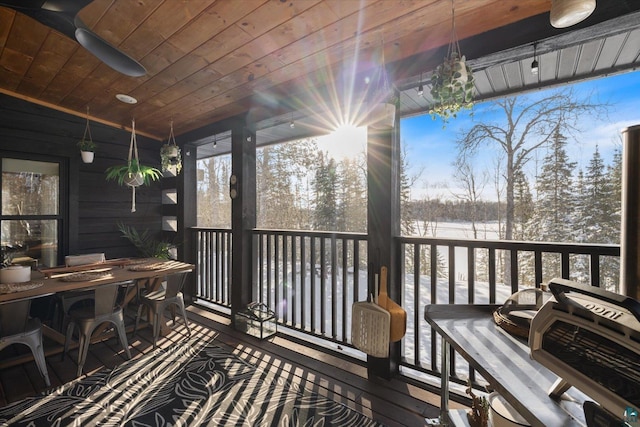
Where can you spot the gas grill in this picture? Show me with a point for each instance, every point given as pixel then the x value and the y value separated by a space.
pixel 590 338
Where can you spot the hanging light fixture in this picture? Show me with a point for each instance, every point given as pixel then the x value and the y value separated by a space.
pixel 215 141
pixel 420 87
pixel 535 67
pixel 565 13
pixel 291 123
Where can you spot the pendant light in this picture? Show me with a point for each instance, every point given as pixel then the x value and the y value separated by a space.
pixel 535 67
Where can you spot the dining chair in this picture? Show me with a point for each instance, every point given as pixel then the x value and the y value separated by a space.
pixel 170 296
pixel 16 327
pixel 67 300
pixel 106 309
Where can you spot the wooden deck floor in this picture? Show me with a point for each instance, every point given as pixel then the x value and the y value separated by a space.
pixel 394 403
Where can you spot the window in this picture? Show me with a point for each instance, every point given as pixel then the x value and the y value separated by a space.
pixel 30 217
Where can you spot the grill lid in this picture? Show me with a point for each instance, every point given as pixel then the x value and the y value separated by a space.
pixel 590 338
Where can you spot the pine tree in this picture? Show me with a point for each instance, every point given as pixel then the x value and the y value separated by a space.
pixel 597 218
pixel 552 220
pixel 325 183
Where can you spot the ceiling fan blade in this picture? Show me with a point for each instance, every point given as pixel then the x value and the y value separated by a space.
pixel 62 16
pixel 106 52
pixel 54 14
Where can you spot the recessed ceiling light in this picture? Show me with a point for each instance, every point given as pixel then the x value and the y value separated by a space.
pixel 126 98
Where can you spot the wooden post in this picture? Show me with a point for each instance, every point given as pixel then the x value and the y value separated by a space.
pixel 630 226
pixel 242 190
pixel 383 219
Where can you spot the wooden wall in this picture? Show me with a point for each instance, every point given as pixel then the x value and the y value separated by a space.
pixel 95 206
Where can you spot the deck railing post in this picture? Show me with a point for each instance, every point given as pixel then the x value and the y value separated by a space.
pixel 630 225
pixel 383 223
pixel 243 215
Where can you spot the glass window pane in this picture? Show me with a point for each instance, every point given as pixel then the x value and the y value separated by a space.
pixel 29 187
pixel 31 242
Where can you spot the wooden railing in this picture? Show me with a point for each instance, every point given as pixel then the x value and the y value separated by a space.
pixel 213 265
pixel 311 279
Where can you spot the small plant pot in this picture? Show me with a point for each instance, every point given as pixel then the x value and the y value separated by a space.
pixel 15 274
pixel 134 179
pixel 87 156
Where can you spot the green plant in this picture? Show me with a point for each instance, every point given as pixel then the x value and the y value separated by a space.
pixel 170 155
pixel 86 145
pixel 7 253
pixel 451 87
pixel 147 245
pixel 123 173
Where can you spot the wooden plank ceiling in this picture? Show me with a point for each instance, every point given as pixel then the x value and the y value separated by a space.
pixel 209 60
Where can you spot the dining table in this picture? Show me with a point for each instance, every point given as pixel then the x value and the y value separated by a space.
pixel 147 273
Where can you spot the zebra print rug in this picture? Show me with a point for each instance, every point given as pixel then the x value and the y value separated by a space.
pixel 188 384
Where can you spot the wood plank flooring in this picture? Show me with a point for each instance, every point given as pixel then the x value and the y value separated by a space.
pixel 394 403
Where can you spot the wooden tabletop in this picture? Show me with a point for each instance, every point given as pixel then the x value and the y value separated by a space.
pixel 60 279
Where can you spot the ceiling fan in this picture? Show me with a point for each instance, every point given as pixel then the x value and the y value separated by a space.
pixel 62 16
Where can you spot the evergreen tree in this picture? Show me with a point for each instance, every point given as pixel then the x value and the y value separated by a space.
pixel 553 218
pixel 597 216
pixel 325 186
pixel 353 197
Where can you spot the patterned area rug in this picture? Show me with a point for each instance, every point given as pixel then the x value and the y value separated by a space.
pixel 189 384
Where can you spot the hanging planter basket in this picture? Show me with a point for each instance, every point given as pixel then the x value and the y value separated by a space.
pixel 86 145
pixel 452 85
pixel 170 156
pixel 133 174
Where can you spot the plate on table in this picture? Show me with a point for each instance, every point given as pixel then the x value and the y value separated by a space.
pixel 148 266
pixel 7 288
pixel 85 276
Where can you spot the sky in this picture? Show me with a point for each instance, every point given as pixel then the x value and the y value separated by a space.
pixel 431 150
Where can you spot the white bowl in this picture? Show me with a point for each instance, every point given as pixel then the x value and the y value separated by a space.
pixel 502 413
pixel 15 274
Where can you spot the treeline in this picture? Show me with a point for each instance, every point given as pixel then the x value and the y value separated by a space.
pixel 454 210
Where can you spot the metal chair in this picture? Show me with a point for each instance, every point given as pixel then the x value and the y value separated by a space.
pixel 158 301
pixel 106 309
pixel 67 300
pixel 17 328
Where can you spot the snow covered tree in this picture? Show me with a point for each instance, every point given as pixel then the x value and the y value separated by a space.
pixel 553 218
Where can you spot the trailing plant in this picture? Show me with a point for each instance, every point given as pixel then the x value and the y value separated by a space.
pixel 123 173
pixel 86 145
pixel 7 253
pixel 147 245
pixel 452 82
pixel 170 156
pixel 133 174
pixel 451 87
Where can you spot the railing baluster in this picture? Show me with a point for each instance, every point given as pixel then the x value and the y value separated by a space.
pixel 452 275
pixel 334 286
pixel 492 276
pixel 323 287
pixel 303 284
pixel 345 286
pixel 417 309
pixel 594 267
pixel 294 282
pixel 514 270
pixel 312 272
